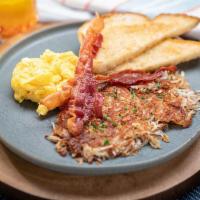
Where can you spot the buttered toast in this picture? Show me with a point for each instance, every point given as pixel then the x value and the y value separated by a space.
pixel 125 38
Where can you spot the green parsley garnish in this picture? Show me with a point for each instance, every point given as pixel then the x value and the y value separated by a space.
pixel 126 108
pixel 102 125
pixel 120 115
pixel 106 117
pixel 142 97
pixel 134 110
pixel 133 95
pixel 158 86
pixel 145 90
pixel 114 123
pixel 114 93
pixel 160 95
pixel 94 125
pixel 63 145
pixel 106 142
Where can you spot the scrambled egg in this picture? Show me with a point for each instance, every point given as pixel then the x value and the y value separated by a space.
pixel 35 78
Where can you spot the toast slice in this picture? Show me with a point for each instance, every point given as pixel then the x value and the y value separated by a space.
pixel 115 19
pixel 124 42
pixel 168 52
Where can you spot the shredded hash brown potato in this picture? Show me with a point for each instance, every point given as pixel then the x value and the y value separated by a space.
pixel 132 118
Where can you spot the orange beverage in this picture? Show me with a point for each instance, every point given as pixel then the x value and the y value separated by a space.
pixel 16 16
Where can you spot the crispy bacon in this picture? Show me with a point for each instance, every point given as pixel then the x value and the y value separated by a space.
pixel 171 68
pixel 130 77
pixel 85 101
pixel 132 118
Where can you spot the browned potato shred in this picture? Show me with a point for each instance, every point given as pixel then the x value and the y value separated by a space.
pixel 132 118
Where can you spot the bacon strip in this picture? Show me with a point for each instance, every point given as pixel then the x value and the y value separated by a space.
pixel 130 77
pixel 85 101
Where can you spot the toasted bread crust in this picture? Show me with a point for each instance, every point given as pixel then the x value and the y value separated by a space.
pixel 135 18
pixel 181 15
pixel 128 35
pixel 111 14
pixel 123 43
pixel 169 52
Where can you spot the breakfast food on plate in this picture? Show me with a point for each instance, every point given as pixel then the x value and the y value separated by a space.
pixel 85 100
pixel 35 78
pixel 132 117
pixel 168 52
pixel 124 42
pixel 131 105
pixel 121 20
pixel 129 109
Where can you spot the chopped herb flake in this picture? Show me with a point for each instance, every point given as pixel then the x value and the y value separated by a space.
pixel 133 95
pixel 114 93
pixel 134 110
pixel 160 95
pixel 158 86
pixel 145 90
pixel 94 125
pixel 106 117
pixel 106 142
pixel 120 115
pixel 63 145
pixel 126 108
pixel 114 124
pixel 102 125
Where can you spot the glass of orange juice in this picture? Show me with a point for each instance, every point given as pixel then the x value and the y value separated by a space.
pixel 16 16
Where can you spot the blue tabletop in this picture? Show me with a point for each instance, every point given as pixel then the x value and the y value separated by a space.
pixel 194 194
